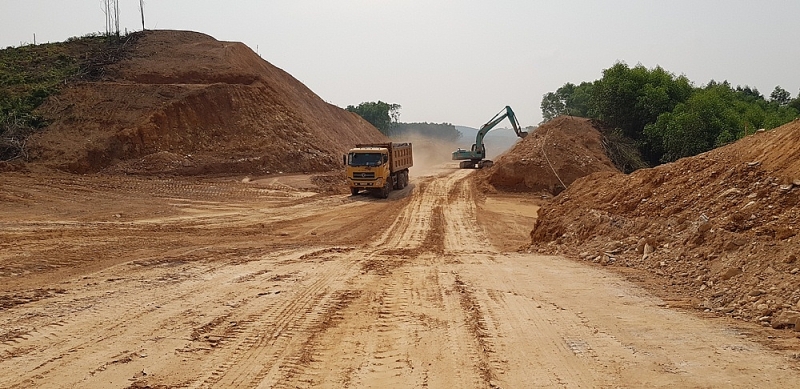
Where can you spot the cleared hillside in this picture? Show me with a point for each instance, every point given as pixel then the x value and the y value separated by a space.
pixel 184 103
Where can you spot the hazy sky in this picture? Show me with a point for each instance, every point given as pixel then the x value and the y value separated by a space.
pixel 461 61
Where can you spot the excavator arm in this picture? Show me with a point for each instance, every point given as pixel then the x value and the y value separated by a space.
pixel 505 113
pixel 478 151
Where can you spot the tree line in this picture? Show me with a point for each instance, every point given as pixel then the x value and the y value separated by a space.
pixel 665 115
pixel 385 117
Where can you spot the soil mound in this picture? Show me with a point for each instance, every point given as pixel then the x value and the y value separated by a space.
pixel 550 158
pixel 184 103
pixel 720 228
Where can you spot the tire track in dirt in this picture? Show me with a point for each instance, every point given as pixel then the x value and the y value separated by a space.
pixel 463 234
pixel 52 344
pixel 484 312
pixel 219 332
pixel 566 324
pixel 269 355
pixel 477 327
pixel 96 222
pixel 330 317
pixel 409 309
pixel 410 228
pixel 218 303
pixel 399 332
pixel 468 244
pixel 288 364
pixel 39 245
pixel 426 302
pixel 567 346
pixel 465 240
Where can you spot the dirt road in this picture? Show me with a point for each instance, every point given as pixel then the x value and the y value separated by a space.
pixel 171 283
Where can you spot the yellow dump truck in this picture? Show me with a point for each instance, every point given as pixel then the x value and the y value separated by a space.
pixel 378 167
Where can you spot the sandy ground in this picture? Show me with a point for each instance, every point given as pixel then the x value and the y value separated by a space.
pixel 262 283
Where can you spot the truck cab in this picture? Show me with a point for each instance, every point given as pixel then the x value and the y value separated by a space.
pixel 367 157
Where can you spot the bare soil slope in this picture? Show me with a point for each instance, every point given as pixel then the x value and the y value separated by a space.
pixel 720 227
pixel 552 157
pixel 184 103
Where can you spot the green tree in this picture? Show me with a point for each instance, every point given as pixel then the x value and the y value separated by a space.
pixel 630 98
pixel 706 120
pixel 778 116
pixel 712 117
pixel 750 95
pixel 552 105
pixel 780 96
pixel 569 99
pixel 381 115
pixel 579 101
pixel 795 103
pixel 665 116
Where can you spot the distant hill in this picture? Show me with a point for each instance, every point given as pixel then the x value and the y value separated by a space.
pixel 440 131
pixel 497 141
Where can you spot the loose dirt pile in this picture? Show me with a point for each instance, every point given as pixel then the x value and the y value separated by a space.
pixel 550 158
pixel 184 103
pixel 720 228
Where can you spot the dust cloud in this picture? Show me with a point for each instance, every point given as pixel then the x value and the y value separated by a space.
pixel 431 155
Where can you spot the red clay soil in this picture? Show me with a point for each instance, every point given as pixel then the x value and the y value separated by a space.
pixel 719 228
pixel 184 103
pixel 550 158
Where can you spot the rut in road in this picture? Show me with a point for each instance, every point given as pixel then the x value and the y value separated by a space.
pixel 194 310
pixel 409 325
pixel 158 314
pixel 437 306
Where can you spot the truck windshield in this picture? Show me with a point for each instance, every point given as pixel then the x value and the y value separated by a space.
pixel 365 159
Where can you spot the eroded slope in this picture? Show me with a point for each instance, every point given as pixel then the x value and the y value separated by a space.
pixel 182 102
pixel 720 227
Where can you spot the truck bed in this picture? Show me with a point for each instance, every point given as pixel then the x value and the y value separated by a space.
pixel 400 154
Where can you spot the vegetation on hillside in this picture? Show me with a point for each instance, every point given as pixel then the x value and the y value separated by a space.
pixel 30 74
pixel 666 116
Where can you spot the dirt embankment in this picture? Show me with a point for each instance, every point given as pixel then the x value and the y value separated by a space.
pixel 549 159
pixel 184 103
pixel 720 228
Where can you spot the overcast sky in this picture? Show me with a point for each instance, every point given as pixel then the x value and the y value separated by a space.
pixel 461 61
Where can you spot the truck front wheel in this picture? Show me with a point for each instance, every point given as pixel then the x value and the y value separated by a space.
pixel 353 191
pixel 386 189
